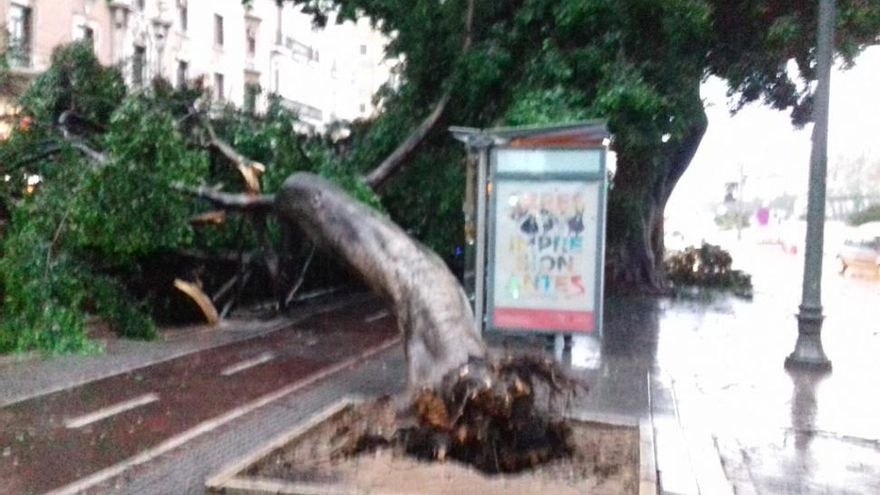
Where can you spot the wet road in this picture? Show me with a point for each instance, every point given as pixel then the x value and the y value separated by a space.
pixel 51 441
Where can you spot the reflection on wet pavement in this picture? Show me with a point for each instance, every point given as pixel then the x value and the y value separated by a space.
pixel 715 366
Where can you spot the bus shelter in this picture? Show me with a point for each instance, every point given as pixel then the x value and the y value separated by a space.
pixel 535 218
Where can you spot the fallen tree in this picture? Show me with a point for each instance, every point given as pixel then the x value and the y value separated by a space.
pixel 430 305
pixel 432 310
pixel 100 226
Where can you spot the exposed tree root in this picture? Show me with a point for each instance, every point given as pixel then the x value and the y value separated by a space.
pixel 500 416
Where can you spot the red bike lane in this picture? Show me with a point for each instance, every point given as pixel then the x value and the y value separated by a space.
pixel 51 441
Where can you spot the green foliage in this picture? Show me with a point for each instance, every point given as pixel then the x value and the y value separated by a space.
pixel 82 242
pixel 47 288
pixel 638 64
pixel 126 209
pixel 77 82
pixel 427 199
pixel 708 266
pixel 272 139
pixel 754 41
pixel 869 214
pixel 544 107
pixel 73 243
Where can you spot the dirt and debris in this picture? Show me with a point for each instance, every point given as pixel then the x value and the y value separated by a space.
pixel 490 425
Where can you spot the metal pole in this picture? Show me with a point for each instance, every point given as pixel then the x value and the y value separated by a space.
pixel 808 352
pixel 469 208
pixel 480 283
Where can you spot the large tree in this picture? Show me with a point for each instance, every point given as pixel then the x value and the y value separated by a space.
pixel 637 63
pixel 78 243
pixel 110 227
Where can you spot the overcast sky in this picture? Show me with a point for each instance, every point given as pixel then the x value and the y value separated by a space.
pixel 773 155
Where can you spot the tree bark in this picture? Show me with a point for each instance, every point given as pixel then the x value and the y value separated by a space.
pixel 636 214
pixel 431 308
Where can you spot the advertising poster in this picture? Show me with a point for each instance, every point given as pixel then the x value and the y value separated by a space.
pixel 545 255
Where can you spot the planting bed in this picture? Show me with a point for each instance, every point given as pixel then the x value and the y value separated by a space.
pixel 332 453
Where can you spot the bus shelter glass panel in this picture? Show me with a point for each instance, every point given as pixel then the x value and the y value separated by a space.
pixel 547 240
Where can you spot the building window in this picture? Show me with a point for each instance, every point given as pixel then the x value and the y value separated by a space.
pixel 277 81
pixel 218 29
pixel 251 91
pixel 218 87
pixel 138 65
pixel 184 17
pixel 251 41
pixel 141 4
pixel 363 108
pixel 86 34
pixel 20 35
pixel 182 73
pixel 363 49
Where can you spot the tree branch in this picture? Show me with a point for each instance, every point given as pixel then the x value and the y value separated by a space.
pixel 229 285
pixel 64 121
pixel 302 277
pixel 200 298
pixel 92 154
pixel 250 169
pixel 380 175
pixel 258 221
pixel 229 201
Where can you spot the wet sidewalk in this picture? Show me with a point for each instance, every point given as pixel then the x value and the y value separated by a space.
pixel 728 417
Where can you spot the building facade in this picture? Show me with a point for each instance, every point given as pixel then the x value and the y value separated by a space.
pixel 243 53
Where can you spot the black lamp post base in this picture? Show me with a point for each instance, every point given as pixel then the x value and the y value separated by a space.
pixel 808 353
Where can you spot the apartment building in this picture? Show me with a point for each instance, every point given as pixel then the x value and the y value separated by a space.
pixel 242 52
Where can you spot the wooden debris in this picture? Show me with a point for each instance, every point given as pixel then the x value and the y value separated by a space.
pixel 214 217
pixel 201 299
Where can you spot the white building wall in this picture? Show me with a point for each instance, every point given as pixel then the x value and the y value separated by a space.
pixel 320 73
pixel 324 74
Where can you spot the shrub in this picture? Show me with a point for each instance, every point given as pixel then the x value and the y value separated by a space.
pixel 870 214
pixel 707 266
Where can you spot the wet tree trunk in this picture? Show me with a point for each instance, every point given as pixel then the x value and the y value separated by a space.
pixel 431 308
pixel 636 209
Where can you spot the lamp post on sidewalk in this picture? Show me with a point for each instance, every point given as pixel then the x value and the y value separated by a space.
pixel 808 352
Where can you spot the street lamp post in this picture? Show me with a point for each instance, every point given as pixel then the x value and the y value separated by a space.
pixel 808 352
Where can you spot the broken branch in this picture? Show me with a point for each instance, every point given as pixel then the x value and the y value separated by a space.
pixel 201 299
pixel 229 201
pixel 215 217
pixel 380 175
pixel 301 278
pixel 377 178
pixel 250 170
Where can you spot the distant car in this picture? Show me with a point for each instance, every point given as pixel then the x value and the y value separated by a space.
pixel 861 249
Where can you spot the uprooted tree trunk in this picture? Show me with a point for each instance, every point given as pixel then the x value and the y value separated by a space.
pixel 431 308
